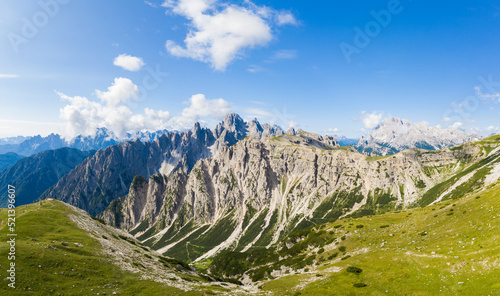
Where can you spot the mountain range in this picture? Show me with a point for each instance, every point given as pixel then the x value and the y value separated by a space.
pixel 35 174
pixel 252 205
pixel 255 192
pixel 394 135
pixel 103 138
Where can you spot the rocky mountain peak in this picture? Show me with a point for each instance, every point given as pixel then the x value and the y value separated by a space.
pixel 394 135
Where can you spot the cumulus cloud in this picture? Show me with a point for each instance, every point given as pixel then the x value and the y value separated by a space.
pixel 456 125
pixel 219 31
pixel 112 111
pixel 129 62
pixel 84 116
pixel 200 107
pixel 371 120
pixel 333 130
pixel 122 90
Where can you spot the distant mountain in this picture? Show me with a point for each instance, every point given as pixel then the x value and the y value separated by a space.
pixel 33 175
pixel 102 139
pixel 8 159
pixel 98 180
pixel 394 135
pixel 344 141
pixel 12 140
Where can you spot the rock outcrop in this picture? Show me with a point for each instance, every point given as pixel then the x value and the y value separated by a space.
pixel 108 174
pixel 254 192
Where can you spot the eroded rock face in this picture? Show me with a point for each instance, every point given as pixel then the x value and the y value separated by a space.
pixel 108 174
pixel 284 183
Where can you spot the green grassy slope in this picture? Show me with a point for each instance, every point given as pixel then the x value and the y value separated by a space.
pixel 450 248
pixel 85 269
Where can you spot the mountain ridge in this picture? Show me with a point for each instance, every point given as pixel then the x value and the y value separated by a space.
pixel 395 135
pixel 255 192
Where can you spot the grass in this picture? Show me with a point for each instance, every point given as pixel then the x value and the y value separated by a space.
pixel 458 255
pixel 69 270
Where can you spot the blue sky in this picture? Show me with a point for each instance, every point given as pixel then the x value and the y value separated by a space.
pixel 279 61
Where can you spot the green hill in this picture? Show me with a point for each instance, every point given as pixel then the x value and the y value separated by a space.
pixel 449 248
pixel 61 250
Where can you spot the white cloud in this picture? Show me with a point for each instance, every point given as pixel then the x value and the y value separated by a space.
pixel 285 54
pixel 151 4
pixel 255 69
pixel 129 62
pixel 9 76
pixel 219 31
pixel 84 116
pixel 493 96
pixel 122 90
pixel 333 130
pixel 292 124
pixel 200 107
pixel 286 18
pixel 371 120
pixel 257 112
pixel 492 129
pixel 456 125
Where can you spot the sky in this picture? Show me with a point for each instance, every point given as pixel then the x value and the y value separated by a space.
pixel 330 67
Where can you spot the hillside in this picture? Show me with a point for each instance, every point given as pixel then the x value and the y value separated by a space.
pixel 61 250
pixel 37 173
pixel 8 159
pixel 254 193
pixel 449 248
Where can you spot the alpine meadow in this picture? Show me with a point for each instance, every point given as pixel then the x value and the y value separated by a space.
pixel 237 147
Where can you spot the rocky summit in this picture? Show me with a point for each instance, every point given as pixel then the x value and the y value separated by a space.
pixel 394 135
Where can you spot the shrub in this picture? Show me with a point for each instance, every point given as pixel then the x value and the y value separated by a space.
pixel 360 285
pixel 343 237
pixel 423 233
pixel 333 256
pixel 360 226
pixel 384 226
pixel 345 257
pixel 321 250
pixel 342 249
pixel 354 269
